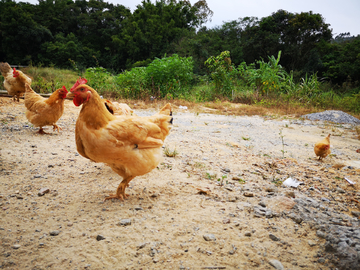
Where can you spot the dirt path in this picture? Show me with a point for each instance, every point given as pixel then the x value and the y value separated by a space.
pixel 225 167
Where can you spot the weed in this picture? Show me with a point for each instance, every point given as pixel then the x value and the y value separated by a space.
pixel 241 181
pixel 210 176
pixel 246 138
pixel 277 182
pixel 221 180
pixel 282 142
pixel 170 153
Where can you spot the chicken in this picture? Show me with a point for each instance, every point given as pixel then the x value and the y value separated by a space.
pixel 117 108
pixel 130 145
pixel 44 111
pixel 322 148
pixel 14 80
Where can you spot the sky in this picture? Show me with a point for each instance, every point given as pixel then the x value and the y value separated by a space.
pixel 343 16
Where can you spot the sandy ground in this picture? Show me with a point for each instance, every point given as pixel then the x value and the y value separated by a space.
pixel 224 165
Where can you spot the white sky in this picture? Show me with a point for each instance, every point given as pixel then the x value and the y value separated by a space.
pixel 343 16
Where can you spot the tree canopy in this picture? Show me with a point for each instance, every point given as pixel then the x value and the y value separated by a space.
pixel 64 33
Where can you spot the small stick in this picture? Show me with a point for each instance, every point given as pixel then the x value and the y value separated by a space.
pixel 214 267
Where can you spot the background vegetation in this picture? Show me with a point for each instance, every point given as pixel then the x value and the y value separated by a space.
pixel 162 50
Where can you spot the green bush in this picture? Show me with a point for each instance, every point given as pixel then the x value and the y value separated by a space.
pixel 170 76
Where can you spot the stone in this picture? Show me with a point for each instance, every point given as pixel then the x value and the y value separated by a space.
pixel 43 191
pixel 125 222
pixel 99 237
pixel 276 264
pixel 54 233
pixel 273 237
pixel 209 237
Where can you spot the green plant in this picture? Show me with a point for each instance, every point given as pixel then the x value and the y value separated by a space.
pixel 223 73
pixel 98 78
pixel 169 75
pixel 170 153
pixel 221 180
pixel 282 142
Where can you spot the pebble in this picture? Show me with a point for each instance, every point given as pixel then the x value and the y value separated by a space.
pixel 43 191
pixel 125 222
pixel 16 246
pixel 273 237
pixel 276 264
pixel 99 237
pixel 248 194
pixel 209 237
pixel 54 233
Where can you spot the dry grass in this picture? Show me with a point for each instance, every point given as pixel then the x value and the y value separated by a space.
pixel 225 107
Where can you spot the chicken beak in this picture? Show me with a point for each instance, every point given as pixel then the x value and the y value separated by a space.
pixel 70 95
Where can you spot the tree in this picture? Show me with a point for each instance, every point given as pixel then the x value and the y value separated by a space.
pixel 153 27
pixel 20 35
pixel 296 35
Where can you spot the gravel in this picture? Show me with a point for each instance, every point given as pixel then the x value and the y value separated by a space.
pixel 333 116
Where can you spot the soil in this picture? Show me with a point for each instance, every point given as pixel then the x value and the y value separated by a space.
pixel 195 211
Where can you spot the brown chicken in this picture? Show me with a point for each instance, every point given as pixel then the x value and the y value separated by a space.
pixel 322 148
pixel 130 145
pixel 14 80
pixel 44 111
pixel 117 108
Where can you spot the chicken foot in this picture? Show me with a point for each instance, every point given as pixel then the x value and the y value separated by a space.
pixel 57 128
pixel 120 191
pixel 41 131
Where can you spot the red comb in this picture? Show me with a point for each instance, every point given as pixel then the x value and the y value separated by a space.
pixel 65 88
pixel 14 70
pixel 78 82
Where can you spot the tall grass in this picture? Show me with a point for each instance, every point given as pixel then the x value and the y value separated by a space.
pixel 48 79
pixel 267 87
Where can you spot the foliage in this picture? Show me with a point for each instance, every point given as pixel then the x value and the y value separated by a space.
pixel 99 79
pixel 222 72
pixel 169 76
pixel 131 84
pixel 63 32
pixel 269 77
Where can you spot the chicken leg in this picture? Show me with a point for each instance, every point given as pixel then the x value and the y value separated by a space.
pixel 41 131
pixel 57 128
pixel 120 191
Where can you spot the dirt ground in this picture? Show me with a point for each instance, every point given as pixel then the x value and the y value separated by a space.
pixel 225 166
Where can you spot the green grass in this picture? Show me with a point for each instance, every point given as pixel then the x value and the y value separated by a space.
pixel 302 99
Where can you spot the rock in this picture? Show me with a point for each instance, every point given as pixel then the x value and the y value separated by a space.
pixel 311 243
pixel 262 203
pixel 273 237
pixel 321 234
pixel 99 237
pixel 54 233
pixel 248 234
pixel 248 194
pixel 355 213
pixel 296 218
pixel 16 246
pixel 43 191
pixel 142 245
pixel 125 222
pixel 276 264
pixel 209 237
